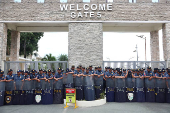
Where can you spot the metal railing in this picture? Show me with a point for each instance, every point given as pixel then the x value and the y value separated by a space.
pixel 29 65
pixel 135 64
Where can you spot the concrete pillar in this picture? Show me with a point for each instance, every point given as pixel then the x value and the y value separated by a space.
pixel 85 44
pixel 15 47
pixel 166 42
pixel 154 47
pixel 3 44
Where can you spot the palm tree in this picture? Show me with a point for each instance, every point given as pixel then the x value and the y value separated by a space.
pixel 49 58
pixel 62 57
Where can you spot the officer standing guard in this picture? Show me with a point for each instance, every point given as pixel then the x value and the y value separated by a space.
pixel 150 85
pixel 91 71
pixel 10 76
pixel 58 75
pixel 18 83
pixel 26 76
pixel 49 76
pixel 2 76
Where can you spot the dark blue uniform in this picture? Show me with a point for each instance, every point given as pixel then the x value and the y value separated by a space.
pixel 58 75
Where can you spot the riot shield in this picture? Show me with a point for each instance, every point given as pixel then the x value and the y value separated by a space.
pixel 168 90
pixel 2 93
pixel 9 87
pixel 48 93
pixel 39 92
pixel 140 92
pixel 160 90
pixel 28 89
pixel 68 82
pixel 110 89
pixel 130 90
pixel 89 91
pixel 150 90
pixel 58 92
pixel 98 81
pixel 17 99
pixel 120 94
pixel 79 87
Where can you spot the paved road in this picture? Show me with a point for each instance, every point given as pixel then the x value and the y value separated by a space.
pixel 107 108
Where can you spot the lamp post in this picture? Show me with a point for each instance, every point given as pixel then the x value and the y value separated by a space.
pixel 142 36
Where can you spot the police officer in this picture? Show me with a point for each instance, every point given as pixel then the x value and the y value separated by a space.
pixel 77 71
pixel 99 72
pixel 114 71
pixel 41 75
pixel 2 76
pixel 110 74
pixel 58 75
pixel 138 74
pixel 124 72
pixel 86 72
pixel 155 72
pixel 72 68
pixel 10 76
pixel 53 72
pixel 96 68
pixel 105 71
pixel 67 70
pixel 160 75
pixel 49 76
pixel 83 69
pixel 168 74
pixel 18 77
pixel 26 76
pixel 163 72
pixel 148 73
pixel 119 74
pixel 129 74
pixel 22 72
pixel 91 71
pixel 33 75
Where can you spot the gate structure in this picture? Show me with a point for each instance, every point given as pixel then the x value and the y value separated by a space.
pixel 29 65
pixel 135 64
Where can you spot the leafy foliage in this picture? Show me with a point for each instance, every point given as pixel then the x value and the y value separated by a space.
pixel 29 43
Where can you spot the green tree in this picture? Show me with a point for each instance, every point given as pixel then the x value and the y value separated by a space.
pixel 49 58
pixel 29 43
pixel 62 57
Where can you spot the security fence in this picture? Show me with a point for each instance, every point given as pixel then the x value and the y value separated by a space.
pixel 135 64
pixel 29 65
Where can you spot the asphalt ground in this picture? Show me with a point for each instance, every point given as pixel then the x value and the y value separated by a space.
pixel 113 107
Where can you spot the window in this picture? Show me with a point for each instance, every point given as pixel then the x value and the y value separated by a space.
pixel 86 0
pixel 17 0
pixel 63 1
pixel 40 1
pixel 109 1
pixel 155 1
pixel 132 1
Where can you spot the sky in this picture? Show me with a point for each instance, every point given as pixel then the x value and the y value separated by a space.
pixel 117 46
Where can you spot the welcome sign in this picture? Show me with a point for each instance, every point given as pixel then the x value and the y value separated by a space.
pixel 87 10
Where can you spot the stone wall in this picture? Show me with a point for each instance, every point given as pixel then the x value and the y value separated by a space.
pixel 85 44
pixel 3 43
pixel 143 10
pixel 154 48
pixel 154 45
